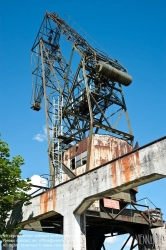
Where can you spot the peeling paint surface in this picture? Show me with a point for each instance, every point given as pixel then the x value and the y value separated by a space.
pixel 104 148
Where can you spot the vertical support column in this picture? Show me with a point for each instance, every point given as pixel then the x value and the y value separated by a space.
pixel 52 174
pixel 74 231
pixel 126 114
pixel 91 117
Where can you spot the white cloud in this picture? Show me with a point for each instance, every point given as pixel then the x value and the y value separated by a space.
pixel 38 181
pixel 42 136
pixel 110 239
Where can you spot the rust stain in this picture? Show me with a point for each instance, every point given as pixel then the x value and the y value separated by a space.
pixel 43 203
pixel 128 166
pixel 48 201
pixel 103 160
pixel 113 173
pixel 66 157
pixel 76 150
pixel 125 218
pixel 54 199
pixel 107 148
pixel 104 149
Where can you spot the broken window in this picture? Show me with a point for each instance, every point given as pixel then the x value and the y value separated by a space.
pixel 72 163
pixel 84 157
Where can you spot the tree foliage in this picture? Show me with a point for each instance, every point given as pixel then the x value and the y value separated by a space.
pixel 13 190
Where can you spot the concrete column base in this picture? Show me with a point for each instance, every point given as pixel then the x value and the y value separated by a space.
pixel 74 231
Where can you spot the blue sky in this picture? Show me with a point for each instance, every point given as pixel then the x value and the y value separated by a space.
pixel 131 31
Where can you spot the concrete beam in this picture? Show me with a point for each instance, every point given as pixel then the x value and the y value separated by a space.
pixel 72 198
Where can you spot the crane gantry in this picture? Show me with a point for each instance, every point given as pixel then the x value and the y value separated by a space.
pixel 81 87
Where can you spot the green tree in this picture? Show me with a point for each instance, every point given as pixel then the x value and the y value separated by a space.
pixel 13 190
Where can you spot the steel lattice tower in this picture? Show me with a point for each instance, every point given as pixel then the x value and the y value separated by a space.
pixel 81 87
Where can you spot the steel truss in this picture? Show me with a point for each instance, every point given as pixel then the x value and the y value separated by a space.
pixel 89 101
pixel 138 226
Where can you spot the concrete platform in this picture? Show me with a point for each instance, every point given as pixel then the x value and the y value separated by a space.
pixel 72 198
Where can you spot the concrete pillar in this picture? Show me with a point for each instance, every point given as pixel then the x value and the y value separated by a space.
pixel 74 231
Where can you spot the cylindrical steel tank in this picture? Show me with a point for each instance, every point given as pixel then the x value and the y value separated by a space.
pixel 113 74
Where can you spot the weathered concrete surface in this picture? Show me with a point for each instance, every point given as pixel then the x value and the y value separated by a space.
pixel 71 199
pixel 159 237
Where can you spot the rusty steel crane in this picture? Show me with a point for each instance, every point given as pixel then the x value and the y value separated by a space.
pixel 87 127
pixel 82 90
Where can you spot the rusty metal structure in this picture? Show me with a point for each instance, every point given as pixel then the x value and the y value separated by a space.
pixel 82 89
pixel 87 126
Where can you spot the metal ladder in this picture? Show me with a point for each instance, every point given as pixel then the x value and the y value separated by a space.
pixel 57 129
